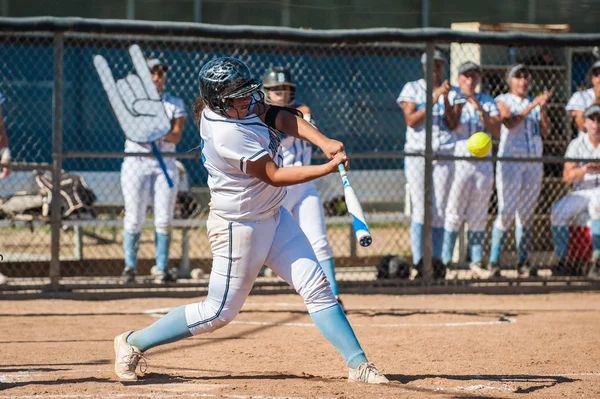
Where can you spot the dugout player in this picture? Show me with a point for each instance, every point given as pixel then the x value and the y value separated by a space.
pixel 247 225
pixel 4 159
pixel 473 181
pixel 302 200
pixel 142 179
pixel 412 100
pixel 524 122
pixel 581 100
pixel 585 177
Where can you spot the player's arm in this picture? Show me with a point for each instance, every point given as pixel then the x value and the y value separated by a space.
pixel 545 124
pixel 452 113
pixel 4 148
pixel 412 116
pixel 508 119
pixel 573 173
pixel 266 170
pixel 579 120
pixel 177 125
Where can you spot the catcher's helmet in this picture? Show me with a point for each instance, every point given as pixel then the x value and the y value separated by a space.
pixel 278 77
pixel 225 78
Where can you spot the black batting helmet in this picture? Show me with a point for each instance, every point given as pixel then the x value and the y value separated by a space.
pixel 278 77
pixel 223 79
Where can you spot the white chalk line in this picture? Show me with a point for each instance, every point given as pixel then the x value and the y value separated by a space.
pixel 148 395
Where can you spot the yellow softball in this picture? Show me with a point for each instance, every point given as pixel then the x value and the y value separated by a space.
pixel 479 144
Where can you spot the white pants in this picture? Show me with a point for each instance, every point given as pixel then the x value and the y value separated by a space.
pixel 239 251
pixel 142 178
pixel 443 172
pixel 518 185
pixel 469 195
pixel 304 203
pixel 574 203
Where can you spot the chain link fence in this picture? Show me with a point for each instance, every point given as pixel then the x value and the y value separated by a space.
pixel 57 115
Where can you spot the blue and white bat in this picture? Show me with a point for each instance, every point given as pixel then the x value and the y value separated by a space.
pixel 361 229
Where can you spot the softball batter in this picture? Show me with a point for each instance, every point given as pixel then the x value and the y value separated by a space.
pixel 524 122
pixel 142 179
pixel 302 200
pixel 247 225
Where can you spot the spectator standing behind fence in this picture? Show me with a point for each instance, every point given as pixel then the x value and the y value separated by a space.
pixel 412 100
pixel 524 122
pixel 301 200
pixel 473 181
pixel 142 179
pixel 585 177
pixel 581 100
pixel 4 158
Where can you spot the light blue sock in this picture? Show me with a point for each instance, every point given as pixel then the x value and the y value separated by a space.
pixel 333 324
pixel 438 242
pixel 329 270
pixel 416 241
pixel 449 243
pixel 131 246
pixel 163 242
pixel 497 243
pixel 523 236
pixel 476 240
pixel 595 230
pixel 560 238
pixel 170 328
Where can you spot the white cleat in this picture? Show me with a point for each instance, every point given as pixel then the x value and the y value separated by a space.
pixel 366 372
pixel 126 358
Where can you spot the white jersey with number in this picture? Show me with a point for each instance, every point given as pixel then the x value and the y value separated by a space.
pixel 227 145
pixel 581 147
pixel 175 108
pixel 443 136
pixel 580 101
pixel 523 140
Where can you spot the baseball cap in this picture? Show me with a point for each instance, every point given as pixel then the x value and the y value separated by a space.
pixel 595 66
pixel 437 55
pixel 468 66
pixel 594 109
pixel 154 62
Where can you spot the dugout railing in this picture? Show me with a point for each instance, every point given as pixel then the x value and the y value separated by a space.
pixel 58 117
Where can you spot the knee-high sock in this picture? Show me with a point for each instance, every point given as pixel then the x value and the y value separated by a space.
pixel 329 270
pixel 438 242
pixel 476 240
pixel 416 241
pixel 497 243
pixel 595 230
pixel 333 324
pixel 523 236
pixel 170 328
pixel 163 242
pixel 560 238
pixel 131 246
pixel 449 243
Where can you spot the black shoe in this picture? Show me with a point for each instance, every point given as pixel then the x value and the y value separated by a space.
pixel 524 269
pixel 168 276
pixel 439 269
pixel 494 268
pixel 128 276
pixel 562 269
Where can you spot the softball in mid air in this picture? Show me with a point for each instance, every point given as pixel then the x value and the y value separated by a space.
pixel 479 144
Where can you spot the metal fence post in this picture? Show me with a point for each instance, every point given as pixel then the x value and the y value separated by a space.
pixel 428 178
pixel 57 124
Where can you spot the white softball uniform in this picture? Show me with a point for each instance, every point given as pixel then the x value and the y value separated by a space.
pixel 473 181
pixel 580 101
pixel 248 227
pixel 302 200
pixel 586 192
pixel 518 184
pixel 142 177
pixel 443 141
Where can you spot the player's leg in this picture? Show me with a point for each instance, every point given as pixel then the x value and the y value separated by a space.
pixel 135 185
pixel 458 200
pixel 239 250
pixel 477 212
pixel 293 259
pixel 443 174
pixel 527 200
pixel 414 170
pixel 562 212
pixel 164 209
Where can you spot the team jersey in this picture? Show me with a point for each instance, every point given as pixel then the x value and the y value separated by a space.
pixel 175 108
pixel 443 137
pixel 227 145
pixel 2 98
pixel 296 152
pixel 580 101
pixel 470 121
pixel 581 147
pixel 523 140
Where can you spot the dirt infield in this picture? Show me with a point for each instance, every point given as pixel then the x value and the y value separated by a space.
pixel 447 346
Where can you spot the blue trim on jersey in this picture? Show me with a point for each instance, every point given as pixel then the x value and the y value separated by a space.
pixel 202 157
pixel 250 158
pixel 228 279
pixel 242 163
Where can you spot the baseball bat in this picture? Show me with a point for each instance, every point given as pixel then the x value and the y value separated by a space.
pixel 361 229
